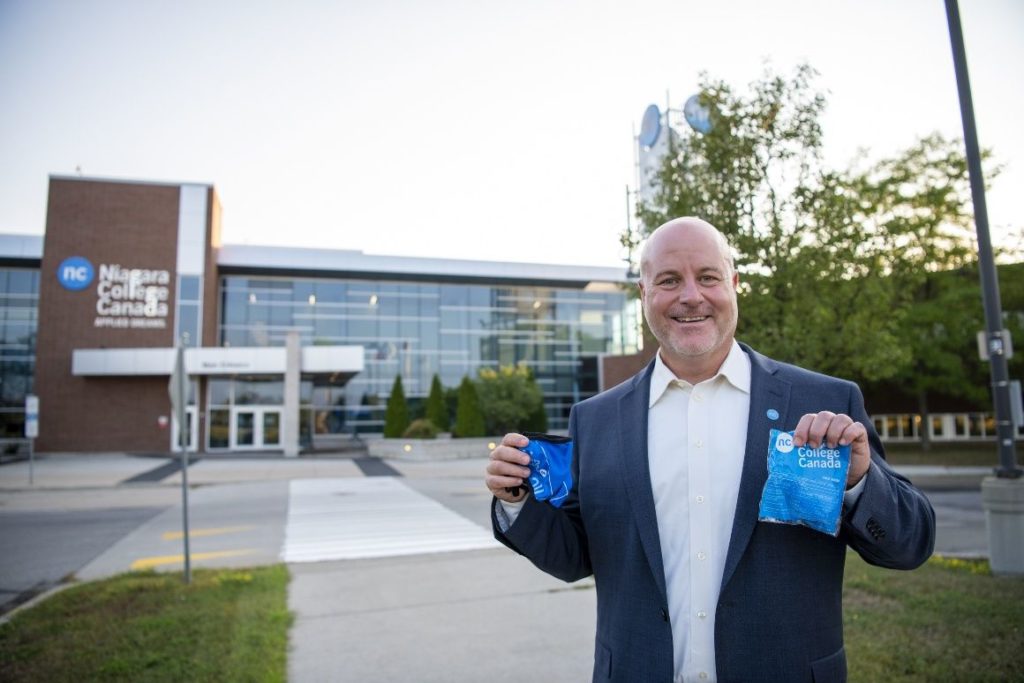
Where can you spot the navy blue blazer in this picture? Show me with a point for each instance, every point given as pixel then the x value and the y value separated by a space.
pixel 779 614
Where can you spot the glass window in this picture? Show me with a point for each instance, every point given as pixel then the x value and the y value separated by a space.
pixel 271 428
pixel 189 288
pixel 21 281
pixel 302 290
pixel 419 328
pixel 220 391
pixel 362 330
pixel 259 392
pixel 220 420
pixel 329 292
pixel 245 428
pixel 388 329
pixel 188 324
pixel 333 329
pixel 388 304
pixel 976 425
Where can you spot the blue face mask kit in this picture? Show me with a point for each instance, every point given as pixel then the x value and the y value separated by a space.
pixel 805 485
pixel 550 466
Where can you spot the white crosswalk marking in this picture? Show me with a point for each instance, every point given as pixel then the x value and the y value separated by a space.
pixel 340 519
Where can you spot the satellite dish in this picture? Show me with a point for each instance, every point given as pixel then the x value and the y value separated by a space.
pixel 697 115
pixel 651 126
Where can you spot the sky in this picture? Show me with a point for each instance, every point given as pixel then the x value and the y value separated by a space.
pixel 470 129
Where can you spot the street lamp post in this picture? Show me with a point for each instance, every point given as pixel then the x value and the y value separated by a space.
pixel 1002 495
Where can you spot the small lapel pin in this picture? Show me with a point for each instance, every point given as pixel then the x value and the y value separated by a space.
pixel 773 414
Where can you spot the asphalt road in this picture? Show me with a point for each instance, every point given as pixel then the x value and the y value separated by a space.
pixel 48 535
pixel 41 548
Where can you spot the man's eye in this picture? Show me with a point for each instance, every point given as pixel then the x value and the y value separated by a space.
pixel 668 282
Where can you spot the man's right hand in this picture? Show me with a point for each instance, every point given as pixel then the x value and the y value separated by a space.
pixel 507 469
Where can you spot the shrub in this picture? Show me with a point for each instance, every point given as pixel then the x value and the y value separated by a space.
pixel 468 419
pixel 396 418
pixel 421 429
pixel 511 400
pixel 437 410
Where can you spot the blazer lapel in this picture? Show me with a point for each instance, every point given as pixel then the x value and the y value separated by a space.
pixel 767 394
pixel 636 471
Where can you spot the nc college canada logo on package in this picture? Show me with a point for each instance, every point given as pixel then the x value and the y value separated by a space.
pixel 75 273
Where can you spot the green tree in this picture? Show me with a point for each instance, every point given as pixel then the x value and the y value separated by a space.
pixel 469 421
pixel 510 399
pixel 832 263
pixel 436 410
pixel 396 416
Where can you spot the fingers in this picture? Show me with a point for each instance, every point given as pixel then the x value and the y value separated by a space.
pixel 515 440
pixel 815 429
pixel 507 469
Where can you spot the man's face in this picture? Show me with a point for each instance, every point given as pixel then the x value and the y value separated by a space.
pixel 688 290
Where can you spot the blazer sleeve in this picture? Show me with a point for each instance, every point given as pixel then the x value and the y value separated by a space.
pixel 892 524
pixel 554 539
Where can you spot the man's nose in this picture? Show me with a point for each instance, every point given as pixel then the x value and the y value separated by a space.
pixel 689 292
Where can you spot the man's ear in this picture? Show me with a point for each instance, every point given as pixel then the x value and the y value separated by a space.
pixel 735 280
pixel 640 285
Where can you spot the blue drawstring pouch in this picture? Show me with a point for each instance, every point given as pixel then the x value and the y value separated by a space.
pixel 805 485
pixel 550 466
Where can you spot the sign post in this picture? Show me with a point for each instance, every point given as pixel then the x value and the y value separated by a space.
pixel 31 432
pixel 178 390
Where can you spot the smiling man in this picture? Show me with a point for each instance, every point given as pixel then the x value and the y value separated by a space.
pixel 668 470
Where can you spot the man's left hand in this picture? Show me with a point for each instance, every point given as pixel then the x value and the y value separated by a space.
pixel 815 429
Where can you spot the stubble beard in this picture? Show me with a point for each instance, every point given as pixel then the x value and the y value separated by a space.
pixel 683 346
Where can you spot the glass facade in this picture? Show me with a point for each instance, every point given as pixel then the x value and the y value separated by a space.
pixel 19 305
pixel 417 329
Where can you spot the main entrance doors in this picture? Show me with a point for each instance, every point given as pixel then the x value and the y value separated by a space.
pixel 255 427
pixel 245 427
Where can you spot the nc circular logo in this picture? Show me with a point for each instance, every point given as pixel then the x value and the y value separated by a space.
pixel 75 273
pixel 784 443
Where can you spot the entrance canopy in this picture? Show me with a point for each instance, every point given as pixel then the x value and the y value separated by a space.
pixel 342 361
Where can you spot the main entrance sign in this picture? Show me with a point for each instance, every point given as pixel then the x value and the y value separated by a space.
pixel 132 297
pixel 125 297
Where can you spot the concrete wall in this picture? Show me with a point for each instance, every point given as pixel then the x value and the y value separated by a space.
pixel 431 449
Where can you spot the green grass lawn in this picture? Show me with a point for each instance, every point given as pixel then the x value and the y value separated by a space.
pixel 227 625
pixel 949 620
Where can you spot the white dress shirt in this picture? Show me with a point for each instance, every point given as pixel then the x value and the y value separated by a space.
pixel 696 438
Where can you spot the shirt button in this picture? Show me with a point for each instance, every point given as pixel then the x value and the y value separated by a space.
pixel 703 675
pixel 701 556
pixel 700 499
pixel 698 398
pixel 702 614
pixel 699 443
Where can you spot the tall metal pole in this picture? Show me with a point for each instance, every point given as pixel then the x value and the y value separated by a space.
pixel 989 283
pixel 183 431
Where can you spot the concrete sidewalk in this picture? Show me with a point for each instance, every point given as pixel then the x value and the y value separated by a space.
pixel 106 470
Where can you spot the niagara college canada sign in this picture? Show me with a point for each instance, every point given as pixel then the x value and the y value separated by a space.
pixel 125 297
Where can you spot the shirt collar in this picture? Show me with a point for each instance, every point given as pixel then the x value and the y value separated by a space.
pixel 735 370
